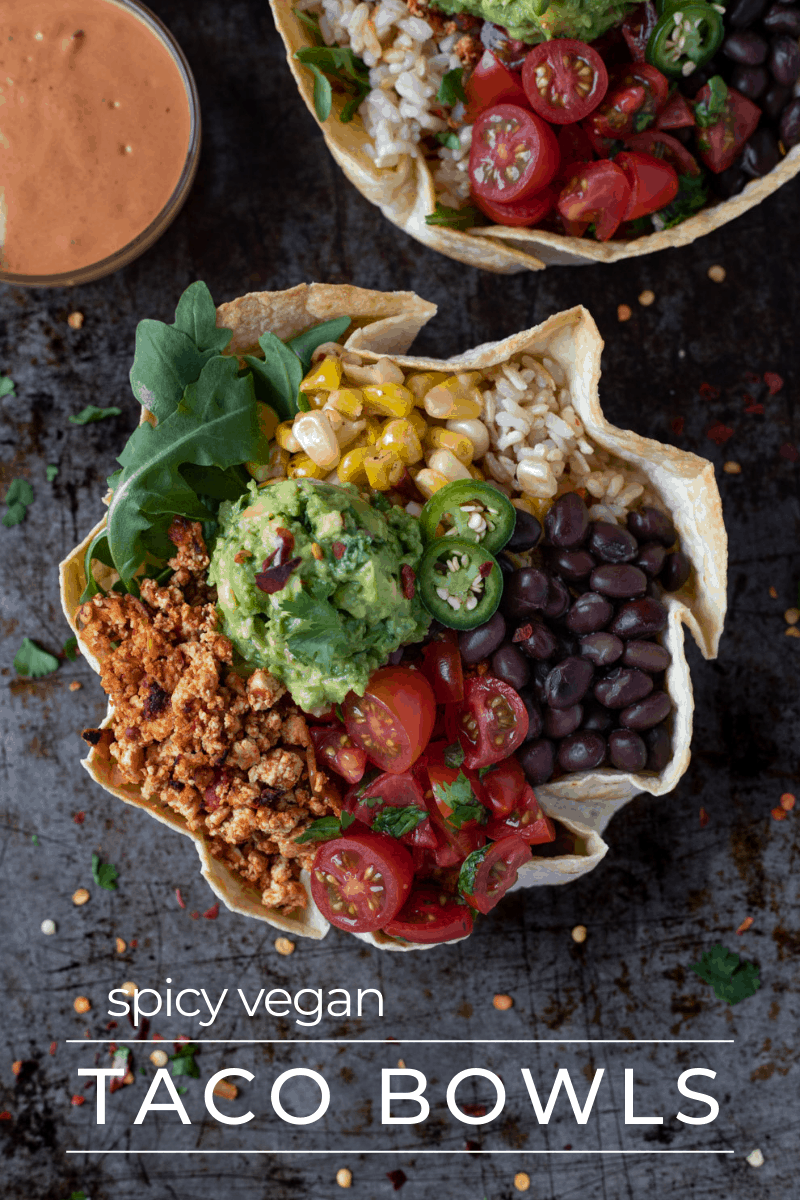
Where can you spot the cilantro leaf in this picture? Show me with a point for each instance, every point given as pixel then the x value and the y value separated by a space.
pixel 323 93
pixel 451 89
pixel 315 631
pixel 183 1062
pixel 643 121
pixel 93 413
pixel 691 197
pixel 51 471
pixel 709 111
pixel 14 515
pixel 469 870
pixel 104 874
pixel 18 497
pixel 452 218
pixel 7 386
pixel 731 977
pixel 311 23
pixel 70 649
pixel 461 799
pixel 323 829
pixel 398 821
pixel 340 64
pixel 307 342
pixel 449 138
pixel 34 662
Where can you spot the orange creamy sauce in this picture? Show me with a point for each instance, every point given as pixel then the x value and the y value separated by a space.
pixel 94 132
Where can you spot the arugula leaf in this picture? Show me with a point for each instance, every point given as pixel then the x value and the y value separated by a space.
pixel 460 797
pixel 340 64
pixel 691 197
pixel 7 386
pixel 731 977
pixel 709 111
pixel 70 649
pixel 276 376
pixel 183 1062
pixel 452 218
pixel 315 632
pixel 104 874
pixel 196 316
pixel 451 89
pixel 98 549
pixel 325 828
pixel 454 755
pixel 51 471
pixel 449 138
pixel 34 662
pixel 306 343
pixel 93 413
pixel 398 821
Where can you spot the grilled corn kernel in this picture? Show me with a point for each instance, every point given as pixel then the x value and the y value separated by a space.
pixel 383 469
pixel 267 421
pixel 400 438
pixel 456 397
pixel 346 431
pixel 372 431
pixel 324 376
pixel 475 430
pixel 351 467
pixel 444 439
pixel 429 482
pixel 284 436
pixel 417 419
pixel 422 382
pixel 446 463
pixel 315 434
pixel 275 468
pixel 303 467
pixel 348 401
pixel 388 400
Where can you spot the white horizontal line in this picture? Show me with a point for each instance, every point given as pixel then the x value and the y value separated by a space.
pixel 407 1041
pixel 408 1152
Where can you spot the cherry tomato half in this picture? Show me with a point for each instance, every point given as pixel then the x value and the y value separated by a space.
pixel 492 723
pixel 393 720
pixel 490 871
pixel 492 83
pixel 676 114
pixel 575 147
pixel 598 192
pixel 335 751
pixel 564 80
pixel 431 915
pixel 664 146
pixel 369 801
pixel 503 786
pixel 362 880
pixel 441 666
pixel 721 144
pixel 513 154
pixel 614 118
pixel 643 75
pixel 526 821
pixel 529 211
pixel 456 791
pixel 654 183
pixel 637 27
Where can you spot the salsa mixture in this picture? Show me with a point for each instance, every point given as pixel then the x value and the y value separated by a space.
pixel 580 117
pixel 372 610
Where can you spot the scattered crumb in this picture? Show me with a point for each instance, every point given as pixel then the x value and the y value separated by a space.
pixel 159 1058
pixel 121 945
pixel 732 468
pixel 681 354
pixel 778 813
pixel 755 1158
pixel 717 274
pixel 646 298
pixel 704 818
pixel 16 1067
pixel 130 989
pixel 75 686
pixel 773 593
pixel 745 925
pixel 48 927
pixel 792 616
pixel 79 817
pixel 502 1002
pixel 787 801
pixel 77 1100
pixel 82 1004
pixel 401 1062
pixel 522 1181
pixel 228 1091
pixel 344 1177
pixel 579 934
pixel 792 631
pixel 80 897
pixel 284 945
pixel 53 1048
pixel 624 312
pixel 75 320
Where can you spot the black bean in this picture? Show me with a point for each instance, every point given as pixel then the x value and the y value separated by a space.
pixel 746 47
pixel 646 713
pixel 611 543
pixel 567 647
pixel 730 182
pixel 596 717
pixel 619 580
pixel 789 128
pixel 676 571
pixel 527 532
pixel 774 101
pixel 538 760
pixel 750 81
pixel 761 153
pixel 602 649
pixel 582 751
pixel 476 644
pixel 568 682
pixel 659 747
pixel 540 643
pixel 784 59
pixel 559 722
pixel 589 613
pixel 639 619
pixel 646 656
pixel 573 565
pixel 511 666
pixel 539 673
pixel 534 712
pixel 567 521
pixel 622 687
pixel 525 592
pixel 745 12
pixel 506 565
pixel 650 558
pixel 649 524
pixel 783 18
pixel 626 750
pixel 558 599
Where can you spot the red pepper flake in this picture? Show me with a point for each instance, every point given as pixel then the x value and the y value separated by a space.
pixel 677 424
pixel 774 382
pixel 409 581
pixel 710 391
pixel 133 943
pixel 719 433
pixel 789 451
pixel 704 818
pixel 779 813
pixel 338 549
pixel 751 379
pixel 787 801
pixel 396 1178
pixel 157 1037
pixel 79 818
pixel 522 633
pixel 474 1110
pixel 5 1115
pixel 485 570
pixel 752 406
pixel 110 1025
pixel 77 1100
pixel 745 925
pixel 212 913
pixel 195 915
pixel 179 898
pixel 53 1047
pixel 472 1146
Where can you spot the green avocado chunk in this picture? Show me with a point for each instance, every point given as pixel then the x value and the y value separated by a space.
pixel 537 21
pixel 343 608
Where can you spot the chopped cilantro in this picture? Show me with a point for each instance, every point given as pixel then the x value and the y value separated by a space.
pixel 31 660
pixel 731 977
pixel 452 218
pixel 469 870
pixel 398 821
pixel 19 497
pixel 35 839
pixel 449 138
pixel 183 1062
pixel 70 649
pixel 104 874
pixel 340 64
pixel 460 797
pixel 643 121
pixel 93 413
pixel 51 470
pixel 325 828
pixel 7 386
pixel 692 196
pixel 311 23
pixel 709 111
pixel 315 632
pixel 451 89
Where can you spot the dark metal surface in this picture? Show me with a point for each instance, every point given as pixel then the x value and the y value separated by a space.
pixel 270 209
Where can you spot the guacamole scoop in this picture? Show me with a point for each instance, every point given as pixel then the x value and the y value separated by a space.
pixel 537 21
pixel 335 606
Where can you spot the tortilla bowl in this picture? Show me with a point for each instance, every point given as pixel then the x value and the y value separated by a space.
pixel 585 802
pixel 405 194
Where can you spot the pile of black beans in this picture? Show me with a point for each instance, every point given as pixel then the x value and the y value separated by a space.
pixel 575 636
pixel 760 58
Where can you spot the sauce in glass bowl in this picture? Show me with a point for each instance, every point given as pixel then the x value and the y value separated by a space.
pixel 99 136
